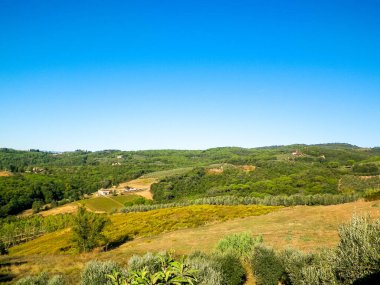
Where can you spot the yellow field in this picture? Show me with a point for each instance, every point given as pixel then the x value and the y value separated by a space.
pixel 142 224
pixel 303 227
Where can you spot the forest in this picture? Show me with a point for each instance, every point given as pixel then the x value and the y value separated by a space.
pixel 38 177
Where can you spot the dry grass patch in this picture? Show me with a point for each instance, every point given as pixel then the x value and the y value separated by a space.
pixel 143 224
pixel 303 227
pixel 215 170
pixel 64 209
pixel 247 168
pixel 140 183
pixel 5 174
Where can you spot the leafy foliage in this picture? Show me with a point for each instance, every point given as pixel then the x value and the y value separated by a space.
pixel 42 279
pixel 95 272
pixel 358 252
pixel 170 271
pixel 14 230
pixel 87 229
pixel 231 268
pixel 62 177
pixel 239 245
pixel 356 259
pixel 267 266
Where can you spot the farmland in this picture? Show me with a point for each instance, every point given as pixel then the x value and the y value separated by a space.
pixel 302 227
pixel 293 196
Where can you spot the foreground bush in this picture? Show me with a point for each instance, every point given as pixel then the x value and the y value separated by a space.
pixel 231 269
pixel 208 271
pixel 170 272
pixel 95 272
pixel 356 260
pixel 358 252
pixel 267 266
pixel 149 262
pixel 42 279
pixel 239 245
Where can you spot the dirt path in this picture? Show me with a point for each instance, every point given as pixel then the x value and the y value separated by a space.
pixel 140 183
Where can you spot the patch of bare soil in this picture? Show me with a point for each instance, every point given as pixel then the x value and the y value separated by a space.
pixel 143 184
pixel 5 174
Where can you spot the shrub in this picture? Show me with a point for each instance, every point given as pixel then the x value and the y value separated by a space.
pixel 240 245
pixel 41 279
pixel 231 269
pixel 267 266
pixel 170 272
pixel 207 270
pixel 293 262
pixel 372 194
pixel 57 280
pixel 95 272
pixel 149 262
pixel 358 252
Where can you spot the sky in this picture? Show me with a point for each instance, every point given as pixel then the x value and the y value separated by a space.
pixel 134 75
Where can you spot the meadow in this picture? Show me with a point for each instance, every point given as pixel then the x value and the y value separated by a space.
pixel 308 228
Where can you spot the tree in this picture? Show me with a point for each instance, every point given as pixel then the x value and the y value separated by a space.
pixel 87 229
pixel 37 206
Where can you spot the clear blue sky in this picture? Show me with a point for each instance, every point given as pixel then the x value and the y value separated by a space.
pixel 188 74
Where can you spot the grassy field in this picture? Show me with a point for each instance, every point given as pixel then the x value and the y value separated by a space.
pixel 108 204
pixel 303 227
pixel 133 225
pixel 167 173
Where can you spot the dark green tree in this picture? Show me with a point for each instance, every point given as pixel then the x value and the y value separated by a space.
pixel 87 229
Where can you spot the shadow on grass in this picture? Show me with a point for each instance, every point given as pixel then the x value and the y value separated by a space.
pixel 116 243
pixel 6 277
pixel 373 279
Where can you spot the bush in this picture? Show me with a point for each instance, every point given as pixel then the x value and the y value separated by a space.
pixel 231 269
pixel 57 280
pixel 293 262
pixel 41 279
pixel 170 272
pixel 95 272
pixel 240 245
pixel 207 270
pixel 149 262
pixel 372 194
pixel 267 266
pixel 358 252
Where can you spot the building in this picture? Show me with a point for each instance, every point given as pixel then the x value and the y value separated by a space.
pixel 104 192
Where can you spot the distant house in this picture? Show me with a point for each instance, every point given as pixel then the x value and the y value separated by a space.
pixel 297 153
pixel 104 192
pixel 129 189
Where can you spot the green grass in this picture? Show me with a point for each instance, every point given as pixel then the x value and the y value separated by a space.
pixel 101 204
pixel 167 173
pixel 108 204
pixel 144 224
pixel 125 198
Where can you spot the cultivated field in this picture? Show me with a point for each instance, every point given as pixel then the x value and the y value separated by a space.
pixel 107 204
